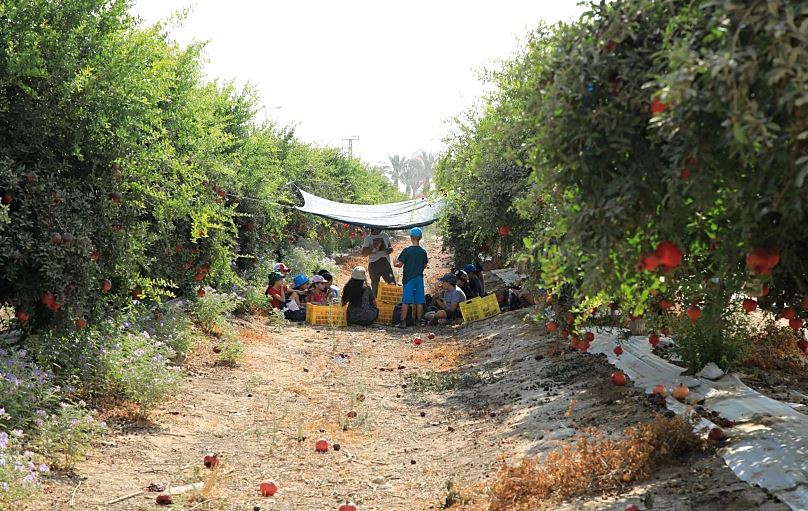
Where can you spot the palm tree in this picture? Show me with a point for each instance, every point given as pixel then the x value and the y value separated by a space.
pixel 413 175
pixel 398 168
pixel 427 169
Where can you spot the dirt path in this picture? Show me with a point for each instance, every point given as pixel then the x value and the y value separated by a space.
pixel 450 410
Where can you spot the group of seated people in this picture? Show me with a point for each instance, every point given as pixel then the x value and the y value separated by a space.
pixel 456 286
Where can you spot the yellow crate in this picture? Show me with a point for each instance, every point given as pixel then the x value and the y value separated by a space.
pixel 479 308
pixel 327 315
pixel 389 293
pixel 385 313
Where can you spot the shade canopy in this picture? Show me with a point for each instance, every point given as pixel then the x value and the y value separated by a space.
pixel 396 215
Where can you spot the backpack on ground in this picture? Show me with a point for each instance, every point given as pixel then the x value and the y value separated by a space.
pixel 397 315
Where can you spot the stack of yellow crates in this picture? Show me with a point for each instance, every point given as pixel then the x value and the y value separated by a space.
pixel 387 297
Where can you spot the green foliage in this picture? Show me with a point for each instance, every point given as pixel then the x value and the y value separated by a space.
pixel 231 350
pixel 718 337
pixel 169 324
pixel 25 388
pixel 137 368
pixel 646 121
pixel 66 435
pixel 122 164
pixel 255 301
pixel 484 175
pixel 19 474
pixel 309 260
pixel 211 310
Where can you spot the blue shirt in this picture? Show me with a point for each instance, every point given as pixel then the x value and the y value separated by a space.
pixel 414 258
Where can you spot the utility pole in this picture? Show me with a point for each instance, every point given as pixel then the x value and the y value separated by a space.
pixel 265 108
pixel 350 144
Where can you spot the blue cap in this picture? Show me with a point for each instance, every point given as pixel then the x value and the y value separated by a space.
pixel 416 232
pixel 299 280
pixel 470 268
pixel 450 278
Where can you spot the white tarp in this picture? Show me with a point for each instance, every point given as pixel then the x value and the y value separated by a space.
pixel 768 447
pixel 396 215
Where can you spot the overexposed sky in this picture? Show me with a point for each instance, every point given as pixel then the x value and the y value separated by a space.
pixel 392 73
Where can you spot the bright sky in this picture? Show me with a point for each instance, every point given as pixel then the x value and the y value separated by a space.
pixel 391 73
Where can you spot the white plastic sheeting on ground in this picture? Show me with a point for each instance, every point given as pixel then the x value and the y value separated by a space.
pixel 768 447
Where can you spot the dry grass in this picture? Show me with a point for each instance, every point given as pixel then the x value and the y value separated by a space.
pixel 592 463
pixel 775 347
pixel 444 357
pixel 250 335
pixel 112 409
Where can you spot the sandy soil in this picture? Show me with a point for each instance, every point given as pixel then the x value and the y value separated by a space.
pixel 453 409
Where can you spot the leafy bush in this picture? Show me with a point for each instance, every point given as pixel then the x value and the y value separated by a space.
pixel 123 170
pixel 211 310
pixel 19 473
pixel 170 325
pixel 255 301
pixel 310 259
pixel 24 388
pixel 66 435
pixel 643 122
pixel 717 337
pixel 276 319
pixel 138 368
pixel 230 349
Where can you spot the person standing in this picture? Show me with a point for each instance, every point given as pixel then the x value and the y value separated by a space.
pixel 378 248
pixel 414 260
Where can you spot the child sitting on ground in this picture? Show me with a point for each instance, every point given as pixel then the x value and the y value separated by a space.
pixel 464 284
pixel 277 290
pixel 476 282
pixel 333 291
pixel 296 299
pixel 449 303
pixel 319 292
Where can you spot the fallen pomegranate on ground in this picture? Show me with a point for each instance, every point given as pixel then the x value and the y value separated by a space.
pixel 268 488
pixel 618 350
pixel 163 499
pixel 680 392
pixel 211 461
pixel 430 336
pixel 417 341
pixel 619 379
pixel 321 445
pixel 716 435
pixel 348 506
